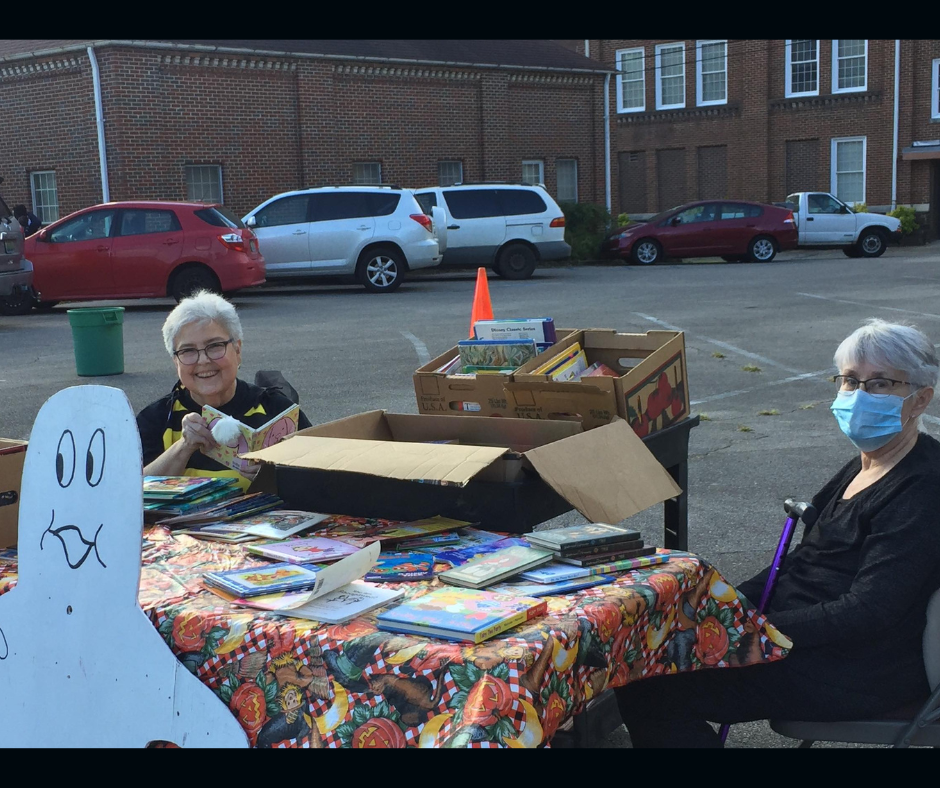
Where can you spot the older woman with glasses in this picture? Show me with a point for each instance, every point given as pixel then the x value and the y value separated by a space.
pixel 852 597
pixel 204 337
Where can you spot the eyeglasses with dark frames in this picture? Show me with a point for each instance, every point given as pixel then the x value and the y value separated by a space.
pixel 214 351
pixel 877 387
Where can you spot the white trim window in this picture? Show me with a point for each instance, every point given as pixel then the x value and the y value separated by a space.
pixel 711 73
pixel 935 90
pixel 45 194
pixel 566 173
pixel 802 67
pixel 449 173
pixel 204 183
pixel 849 65
pixel 631 80
pixel 367 172
pixel 533 172
pixel 670 76
pixel 848 169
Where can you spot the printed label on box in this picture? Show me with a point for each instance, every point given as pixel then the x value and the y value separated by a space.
pixel 659 400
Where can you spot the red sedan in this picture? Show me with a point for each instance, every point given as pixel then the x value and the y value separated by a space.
pixel 141 250
pixel 731 229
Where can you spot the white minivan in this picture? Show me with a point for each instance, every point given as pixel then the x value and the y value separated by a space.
pixel 375 233
pixel 506 227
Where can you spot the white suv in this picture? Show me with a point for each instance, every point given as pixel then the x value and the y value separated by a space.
pixel 508 228
pixel 375 233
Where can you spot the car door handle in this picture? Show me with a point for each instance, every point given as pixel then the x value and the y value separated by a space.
pixel 299 232
pixel 809 218
pixel 453 226
pixel 363 227
pixel 171 241
pixel 102 248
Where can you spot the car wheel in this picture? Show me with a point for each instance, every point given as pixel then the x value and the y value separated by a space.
pixel 647 252
pixel 188 281
pixel 851 251
pixel 18 303
pixel 380 269
pixel 516 261
pixel 733 258
pixel 762 249
pixel 871 244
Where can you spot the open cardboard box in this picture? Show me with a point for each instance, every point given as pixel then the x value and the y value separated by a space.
pixel 12 457
pixel 506 474
pixel 651 393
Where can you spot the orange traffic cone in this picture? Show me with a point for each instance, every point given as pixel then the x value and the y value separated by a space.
pixel 482 308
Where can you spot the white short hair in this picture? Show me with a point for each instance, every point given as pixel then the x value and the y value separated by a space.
pixel 201 307
pixel 901 347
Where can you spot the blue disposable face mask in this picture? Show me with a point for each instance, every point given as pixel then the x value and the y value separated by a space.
pixel 869 422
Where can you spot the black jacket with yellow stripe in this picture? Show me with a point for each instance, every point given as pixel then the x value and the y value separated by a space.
pixel 160 423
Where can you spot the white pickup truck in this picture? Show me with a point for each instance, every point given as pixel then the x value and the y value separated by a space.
pixel 823 221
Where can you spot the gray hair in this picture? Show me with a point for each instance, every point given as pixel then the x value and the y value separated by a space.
pixel 202 307
pixel 902 347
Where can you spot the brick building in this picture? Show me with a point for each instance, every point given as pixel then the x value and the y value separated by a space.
pixel 761 119
pixel 240 121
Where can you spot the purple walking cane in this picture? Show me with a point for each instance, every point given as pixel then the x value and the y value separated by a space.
pixel 795 511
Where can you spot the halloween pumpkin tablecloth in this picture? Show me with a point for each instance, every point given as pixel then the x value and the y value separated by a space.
pixel 295 683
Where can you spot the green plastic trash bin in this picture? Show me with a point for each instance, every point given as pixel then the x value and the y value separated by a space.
pixel 98 336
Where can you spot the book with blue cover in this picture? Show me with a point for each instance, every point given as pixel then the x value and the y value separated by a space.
pixel 554 573
pixel 460 614
pixel 399 567
pixel 269 579
pixel 463 555
pixel 496 566
pixel 552 589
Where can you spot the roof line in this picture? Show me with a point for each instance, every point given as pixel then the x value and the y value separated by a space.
pixel 272 52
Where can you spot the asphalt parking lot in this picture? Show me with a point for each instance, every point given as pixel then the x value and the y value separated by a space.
pixel 759 338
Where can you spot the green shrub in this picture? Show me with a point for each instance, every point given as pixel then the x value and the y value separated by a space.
pixel 623 219
pixel 908 217
pixel 586 224
pixel 860 207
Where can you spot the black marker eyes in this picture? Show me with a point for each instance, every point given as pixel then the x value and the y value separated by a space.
pixel 65 459
pixel 94 458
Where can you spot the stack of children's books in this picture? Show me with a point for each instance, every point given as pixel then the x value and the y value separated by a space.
pixel 236 508
pixel 167 496
pixel 495 566
pixel 499 347
pixel 571 364
pixel 591 544
pixel 270 524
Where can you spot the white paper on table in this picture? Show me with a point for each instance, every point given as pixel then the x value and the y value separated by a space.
pixel 346 602
pixel 334 576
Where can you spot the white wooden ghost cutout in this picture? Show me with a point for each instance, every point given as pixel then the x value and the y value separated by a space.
pixel 80 663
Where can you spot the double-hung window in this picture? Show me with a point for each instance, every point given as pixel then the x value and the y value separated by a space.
pixel 711 72
pixel 848 169
pixel 670 76
pixel 802 67
pixel 45 195
pixel 631 81
pixel 849 65
pixel 533 172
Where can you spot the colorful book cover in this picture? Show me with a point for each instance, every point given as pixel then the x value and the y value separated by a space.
pixel 313 550
pixel 460 614
pixel 256 580
pixel 553 573
pixel 571 369
pixel 559 358
pixel 627 564
pixel 496 566
pixel 438 540
pixel 552 589
pixel 416 528
pixel 398 567
pixel 280 523
pixel 464 554
pixel 605 558
pixel 278 428
pixel 539 329
pixel 509 353
pixel 578 536
pixel 179 487
pixel 599 369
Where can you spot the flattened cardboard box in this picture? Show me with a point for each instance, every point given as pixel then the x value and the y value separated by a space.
pixel 607 474
pixel 651 393
pixel 12 457
pixel 464 395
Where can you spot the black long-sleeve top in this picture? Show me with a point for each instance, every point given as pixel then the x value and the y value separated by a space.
pixel 853 595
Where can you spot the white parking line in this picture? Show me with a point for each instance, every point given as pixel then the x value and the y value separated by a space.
pixel 420 348
pixel 727 394
pixel 870 306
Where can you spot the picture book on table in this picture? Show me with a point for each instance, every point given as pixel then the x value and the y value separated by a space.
pixel 553 573
pixel 577 536
pixel 438 540
pixel 249 439
pixel 462 555
pixel 495 566
pixel 313 550
pixel 270 579
pixel 552 589
pixel 398 567
pixel 419 528
pixel 178 487
pixel 345 603
pixel 461 614
pixel 280 523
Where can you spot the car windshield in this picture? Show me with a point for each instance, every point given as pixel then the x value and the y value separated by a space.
pixel 662 215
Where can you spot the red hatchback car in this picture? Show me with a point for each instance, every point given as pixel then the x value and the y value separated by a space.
pixel 732 229
pixel 141 250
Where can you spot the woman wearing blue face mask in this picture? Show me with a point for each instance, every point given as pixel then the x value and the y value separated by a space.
pixel 853 595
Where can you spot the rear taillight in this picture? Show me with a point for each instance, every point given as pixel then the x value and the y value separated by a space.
pixel 789 218
pixel 559 222
pixel 423 219
pixel 233 241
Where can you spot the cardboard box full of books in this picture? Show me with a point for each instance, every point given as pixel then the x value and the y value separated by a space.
pixel 650 393
pixel 506 474
pixel 449 393
pixel 12 457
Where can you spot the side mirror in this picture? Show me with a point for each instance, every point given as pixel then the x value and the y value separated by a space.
pixel 844 209
pixel 251 221
pixel 43 236
pixel 675 221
